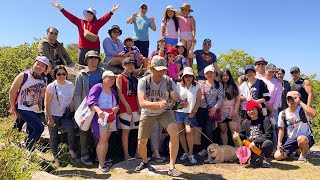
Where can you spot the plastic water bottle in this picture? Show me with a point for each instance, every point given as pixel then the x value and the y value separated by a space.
pixel 256 150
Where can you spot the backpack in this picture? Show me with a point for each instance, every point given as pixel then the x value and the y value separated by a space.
pixel 302 116
pixel 148 81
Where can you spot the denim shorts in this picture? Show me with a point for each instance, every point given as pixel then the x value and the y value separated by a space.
pixel 181 117
pixel 171 41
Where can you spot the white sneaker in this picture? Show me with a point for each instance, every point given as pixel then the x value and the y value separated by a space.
pixel 184 156
pixel 203 152
pixel 192 159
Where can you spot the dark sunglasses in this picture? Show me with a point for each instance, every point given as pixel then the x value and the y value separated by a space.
pixel 185 10
pixel 206 44
pixel 145 8
pixel 289 98
pixel 294 72
pixel 188 76
pixel 93 57
pixel 53 33
pixel 261 64
pixel 116 32
pixel 63 74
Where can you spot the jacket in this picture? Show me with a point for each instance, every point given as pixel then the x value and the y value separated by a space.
pixel 45 48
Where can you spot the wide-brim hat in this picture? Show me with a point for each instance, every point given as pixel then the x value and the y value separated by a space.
pixel 260 60
pixel 186 6
pixel 92 10
pixel 170 7
pixel 108 74
pixel 115 27
pixel 188 71
pixel 91 53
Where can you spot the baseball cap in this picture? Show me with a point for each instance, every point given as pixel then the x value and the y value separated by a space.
pixel 161 38
pixel 249 67
pixel 128 60
pixel 144 4
pixel 108 74
pixel 158 63
pixel 260 60
pixel 209 68
pixel 251 105
pixel 292 93
pixel 207 41
pixel 43 59
pixel 294 68
pixel 271 67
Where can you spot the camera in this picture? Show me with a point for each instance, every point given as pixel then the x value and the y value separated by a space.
pixel 174 105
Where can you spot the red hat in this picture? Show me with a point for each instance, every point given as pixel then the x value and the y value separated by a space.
pixel 172 50
pixel 251 105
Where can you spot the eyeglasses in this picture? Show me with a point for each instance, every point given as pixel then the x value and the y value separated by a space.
pixel 260 64
pixel 93 57
pixel 289 98
pixel 116 32
pixel 63 74
pixel 206 44
pixel 294 72
pixel 53 33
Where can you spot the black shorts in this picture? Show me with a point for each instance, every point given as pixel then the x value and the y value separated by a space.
pixel 143 46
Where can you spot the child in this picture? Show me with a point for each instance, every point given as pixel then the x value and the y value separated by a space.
pixel 161 48
pixel 134 53
pixel 181 58
pixel 172 65
pixel 170 26
pixel 187 27
pixel 129 117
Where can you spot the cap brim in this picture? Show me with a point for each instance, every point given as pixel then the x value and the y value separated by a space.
pixel 265 62
pixel 160 68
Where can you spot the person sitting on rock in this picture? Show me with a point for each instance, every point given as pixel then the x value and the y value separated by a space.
pixel 132 51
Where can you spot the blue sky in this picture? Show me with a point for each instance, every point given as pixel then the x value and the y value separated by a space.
pixel 284 32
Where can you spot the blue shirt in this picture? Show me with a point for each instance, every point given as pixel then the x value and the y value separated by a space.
pixel 94 77
pixel 111 47
pixel 141 26
pixel 203 60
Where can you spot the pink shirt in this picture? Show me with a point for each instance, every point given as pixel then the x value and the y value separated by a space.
pixel 275 90
pixel 173 70
pixel 170 29
pixel 185 24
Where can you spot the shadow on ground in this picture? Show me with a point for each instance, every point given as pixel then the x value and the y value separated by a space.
pixel 81 173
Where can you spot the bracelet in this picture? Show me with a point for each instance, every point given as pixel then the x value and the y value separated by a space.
pixel 111 13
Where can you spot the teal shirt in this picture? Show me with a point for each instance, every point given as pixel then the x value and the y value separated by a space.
pixel 141 26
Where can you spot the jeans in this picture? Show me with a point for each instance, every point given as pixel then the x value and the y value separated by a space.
pixel 68 126
pixel 34 127
pixel 206 124
pixel 81 55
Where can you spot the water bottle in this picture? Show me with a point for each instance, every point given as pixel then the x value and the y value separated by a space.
pixel 256 150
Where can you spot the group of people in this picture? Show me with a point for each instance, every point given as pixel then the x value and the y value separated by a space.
pixel 261 106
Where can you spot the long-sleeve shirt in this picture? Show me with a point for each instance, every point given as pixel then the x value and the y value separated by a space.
pixel 110 47
pixel 93 26
pixel 275 90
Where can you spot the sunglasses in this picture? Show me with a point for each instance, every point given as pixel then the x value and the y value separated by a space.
pixel 294 72
pixel 261 64
pixel 93 57
pixel 116 32
pixel 206 44
pixel 187 76
pixel 145 8
pixel 53 33
pixel 185 10
pixel 63 74
pixel 289 98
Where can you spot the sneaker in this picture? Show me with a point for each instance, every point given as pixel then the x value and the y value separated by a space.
pixel 266 164
pixel 192 159
pixel 254 160
pixel 174 172
pixel 142 166
pixel 104 168
pixel 184 156
pixel 203 152
pixel 302 159
pixel 86 160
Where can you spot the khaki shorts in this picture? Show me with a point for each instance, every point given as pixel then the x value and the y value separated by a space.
pixel 109 127
pixel 127 121
pixel 146 123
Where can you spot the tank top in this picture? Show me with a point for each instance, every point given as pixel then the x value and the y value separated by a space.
pixel 185 24
pixel 297 86
pixel 31 95
pixel 132 100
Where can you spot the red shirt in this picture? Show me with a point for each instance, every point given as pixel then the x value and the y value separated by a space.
pixel 132 100
pixel 93 26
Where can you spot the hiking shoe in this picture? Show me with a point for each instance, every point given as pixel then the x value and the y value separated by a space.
pixel 104 168
pixel 302 159
pixel 142 166
pixel 254 160
pixel 266 164
pixel 184 156
pixel 174 172
pixel 203 152
pixel 86 160
pixel 192 159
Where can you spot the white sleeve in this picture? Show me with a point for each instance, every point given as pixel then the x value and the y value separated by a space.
pixel 280 119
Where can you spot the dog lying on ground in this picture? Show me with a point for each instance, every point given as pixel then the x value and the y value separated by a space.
pixel 221 153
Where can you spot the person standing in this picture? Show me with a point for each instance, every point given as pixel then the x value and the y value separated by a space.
pixel 51 48
pixel 301 85
pixel 88 28
pixel 141 24
pixel 285 88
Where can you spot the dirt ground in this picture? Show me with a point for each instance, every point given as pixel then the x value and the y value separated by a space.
pixel 290 169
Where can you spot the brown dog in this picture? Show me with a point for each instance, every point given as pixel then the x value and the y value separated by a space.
pixel 221 153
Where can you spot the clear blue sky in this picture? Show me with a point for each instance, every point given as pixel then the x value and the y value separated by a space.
pixel 284 32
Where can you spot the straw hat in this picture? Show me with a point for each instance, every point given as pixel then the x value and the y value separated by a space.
pixel 186 6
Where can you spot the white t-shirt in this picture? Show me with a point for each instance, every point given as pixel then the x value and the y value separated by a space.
pixel 189 94
pixel 65 95
pixel 295 126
